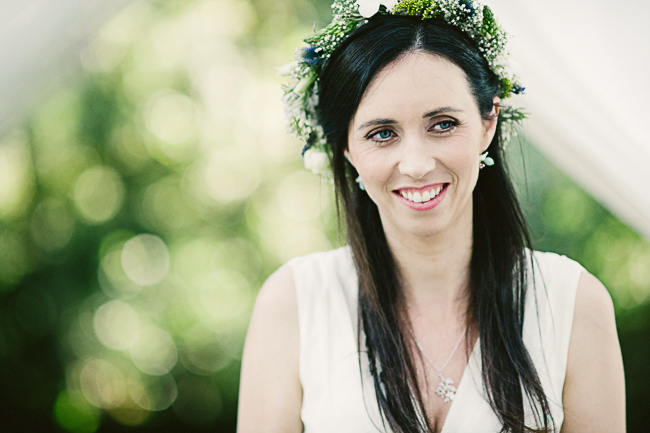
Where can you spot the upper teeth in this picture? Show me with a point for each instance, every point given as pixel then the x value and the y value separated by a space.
pixel 422 197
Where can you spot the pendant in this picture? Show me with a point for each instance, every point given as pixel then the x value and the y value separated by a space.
pixel 446 389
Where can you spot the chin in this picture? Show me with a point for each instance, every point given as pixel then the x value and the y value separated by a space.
pixel 423 227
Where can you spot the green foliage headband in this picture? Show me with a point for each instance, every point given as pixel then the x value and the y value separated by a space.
pixel 301 95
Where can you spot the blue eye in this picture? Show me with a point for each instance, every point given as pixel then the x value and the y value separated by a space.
pixel 381 135
pixel 445 126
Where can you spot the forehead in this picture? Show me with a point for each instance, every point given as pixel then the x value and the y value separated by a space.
pixel 415 83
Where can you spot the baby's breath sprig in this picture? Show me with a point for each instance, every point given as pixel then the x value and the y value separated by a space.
pixel 511 119
pixel 301 95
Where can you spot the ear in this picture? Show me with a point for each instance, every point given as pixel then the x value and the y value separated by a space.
pixel 490 125
pixel 347 155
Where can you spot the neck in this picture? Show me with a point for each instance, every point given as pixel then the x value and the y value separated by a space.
pixel 435 268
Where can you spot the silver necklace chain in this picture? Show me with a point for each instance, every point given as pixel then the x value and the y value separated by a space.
pixel 446 388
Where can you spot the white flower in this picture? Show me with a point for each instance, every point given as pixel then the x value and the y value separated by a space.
pixel 390 4
pixel 316 161
pixel 368 8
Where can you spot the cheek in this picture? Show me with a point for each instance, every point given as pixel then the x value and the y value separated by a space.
pixel 375 169
pixel 370 163
pixel 373 172
pixel 461 158
pixel 467 164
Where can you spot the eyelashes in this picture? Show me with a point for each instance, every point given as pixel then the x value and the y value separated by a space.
pixel 442 128
pixel 382 134
pixel 451 125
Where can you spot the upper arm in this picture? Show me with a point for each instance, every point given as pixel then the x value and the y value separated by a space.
pixel 594 389
pixel 269 392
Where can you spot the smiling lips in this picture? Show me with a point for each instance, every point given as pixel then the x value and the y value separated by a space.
pixel 421 195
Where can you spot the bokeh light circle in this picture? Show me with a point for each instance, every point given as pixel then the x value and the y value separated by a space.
pixel 154 351
pixel 172 118
pixel 203 352
pixel 145 259
pixel 102 383
pixel 116 325
pixel 98 194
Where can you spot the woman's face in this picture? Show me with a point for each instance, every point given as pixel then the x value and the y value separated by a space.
pixel 418 132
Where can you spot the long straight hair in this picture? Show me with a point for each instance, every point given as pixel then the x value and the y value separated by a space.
pixel 498 271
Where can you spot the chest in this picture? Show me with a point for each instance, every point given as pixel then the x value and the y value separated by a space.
pixel 342 398
pixel 439 385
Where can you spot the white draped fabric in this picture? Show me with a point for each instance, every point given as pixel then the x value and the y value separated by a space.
pixel 586 68
pixel 585 64
pixel 40 41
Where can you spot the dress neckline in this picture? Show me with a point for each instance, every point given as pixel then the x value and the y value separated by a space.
pixel 450 417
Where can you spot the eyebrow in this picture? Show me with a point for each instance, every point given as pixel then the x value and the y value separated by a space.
pixel 440 110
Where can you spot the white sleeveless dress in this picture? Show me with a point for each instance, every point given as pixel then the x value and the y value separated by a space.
pixel 334 400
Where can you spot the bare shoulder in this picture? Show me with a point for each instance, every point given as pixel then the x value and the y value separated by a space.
pixel 277 296
pixel 594 308
pixel 594 390
pixel 269 392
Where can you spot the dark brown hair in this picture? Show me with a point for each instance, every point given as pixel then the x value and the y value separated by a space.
pixel 498 270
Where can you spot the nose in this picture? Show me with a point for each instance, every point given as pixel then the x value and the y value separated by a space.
pixel 416 158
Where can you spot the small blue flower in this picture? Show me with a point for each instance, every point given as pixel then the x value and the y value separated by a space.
pixel 310 56
pixel 305 148
pixel 469 5
pixel 518 89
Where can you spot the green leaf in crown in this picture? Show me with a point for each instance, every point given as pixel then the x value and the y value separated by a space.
pixel 422 8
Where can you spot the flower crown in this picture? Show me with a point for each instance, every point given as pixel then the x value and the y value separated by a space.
pixel 301 96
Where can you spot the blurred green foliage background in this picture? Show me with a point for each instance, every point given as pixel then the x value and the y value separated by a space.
pixel 143 204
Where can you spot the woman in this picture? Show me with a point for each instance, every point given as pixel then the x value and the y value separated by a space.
pixel 437 316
